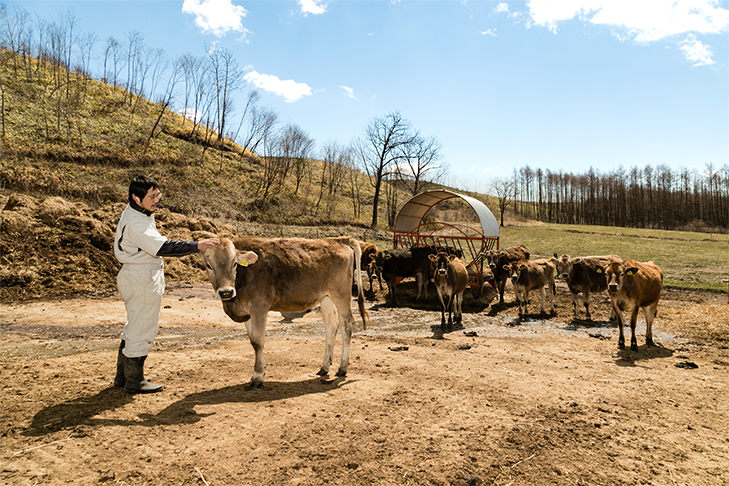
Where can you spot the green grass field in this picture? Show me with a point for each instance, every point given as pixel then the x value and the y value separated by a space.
pixel 688 260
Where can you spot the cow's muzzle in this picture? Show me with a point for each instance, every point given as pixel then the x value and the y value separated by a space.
pixel 226 293
pixel 565 275
pixel 613 288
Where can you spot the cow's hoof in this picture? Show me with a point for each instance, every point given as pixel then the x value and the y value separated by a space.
pixel 621 345
pixel 649 342
pixel 634 347
pixel 341 373
pixel 322 373
pixel 253 385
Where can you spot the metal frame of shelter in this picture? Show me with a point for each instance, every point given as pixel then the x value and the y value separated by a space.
pixel 410 230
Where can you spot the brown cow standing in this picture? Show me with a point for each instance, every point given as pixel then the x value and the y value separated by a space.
pixel 451 280
pixel 634 285
pixel 369 251
pixel 528 275
pixel 584 274
pixel 498 259
pixel 253 276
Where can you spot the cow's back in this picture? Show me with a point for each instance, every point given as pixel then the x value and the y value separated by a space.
pixel 650 279
pixel 536 274
pixel 294 270
pixel 588 273
pixel 457 268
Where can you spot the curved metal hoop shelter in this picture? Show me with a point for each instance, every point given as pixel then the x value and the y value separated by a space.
pixel 469 241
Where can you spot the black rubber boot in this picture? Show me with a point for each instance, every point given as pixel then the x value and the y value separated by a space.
pixel 134 374
pixel 120 380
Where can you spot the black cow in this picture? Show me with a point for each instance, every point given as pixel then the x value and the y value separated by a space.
pixel 498 259
pixel 400 262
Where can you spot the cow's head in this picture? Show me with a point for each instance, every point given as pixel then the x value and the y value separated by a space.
pixel 617 274
pixel 441 260
pixel 492 256
pixel 514 269
pixel 563 265
pixel 378 259
pixel 222 264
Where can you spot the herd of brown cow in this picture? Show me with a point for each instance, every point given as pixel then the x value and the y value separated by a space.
pixel 253 276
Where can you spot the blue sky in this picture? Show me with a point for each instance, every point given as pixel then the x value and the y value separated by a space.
pixel 559 84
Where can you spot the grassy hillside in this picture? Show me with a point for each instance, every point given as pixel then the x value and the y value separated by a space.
pixel 88 143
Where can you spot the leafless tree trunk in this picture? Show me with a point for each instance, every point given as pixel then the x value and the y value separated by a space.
pixel 380 148
pixel 504 190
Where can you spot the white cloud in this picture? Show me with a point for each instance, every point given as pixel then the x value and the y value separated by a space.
pixel 501 8
pixel 491 32
pixel 191 114
pixel 350 92
pixel 289 89
pixel 217 17
pixel 312 7
pixel 643 21
pixel 646 20
pixel 696 52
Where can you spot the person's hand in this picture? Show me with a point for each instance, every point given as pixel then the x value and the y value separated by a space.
pixel 208 244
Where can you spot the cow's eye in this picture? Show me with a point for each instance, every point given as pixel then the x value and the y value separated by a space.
pixel 208 265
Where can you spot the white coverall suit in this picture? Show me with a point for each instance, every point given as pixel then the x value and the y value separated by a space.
pixel 141 281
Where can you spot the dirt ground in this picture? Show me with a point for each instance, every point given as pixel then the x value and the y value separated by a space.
pixel 500 400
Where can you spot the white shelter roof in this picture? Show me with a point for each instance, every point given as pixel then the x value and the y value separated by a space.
pixel 412 213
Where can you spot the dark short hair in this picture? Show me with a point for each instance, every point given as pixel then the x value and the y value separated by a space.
pixel 140 185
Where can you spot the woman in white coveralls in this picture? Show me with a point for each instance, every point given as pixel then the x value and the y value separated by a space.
pixel 141 281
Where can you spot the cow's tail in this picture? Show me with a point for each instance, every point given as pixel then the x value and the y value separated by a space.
pixel 360 291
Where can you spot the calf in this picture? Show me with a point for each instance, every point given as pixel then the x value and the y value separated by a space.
pixel 369 252
pixel 584 274
pixel 528 275
pixel 498 259
pixel 634 285
pixel 399 263
pixel 450 279
pixel 252 276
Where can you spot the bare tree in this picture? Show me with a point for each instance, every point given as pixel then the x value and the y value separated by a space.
pixel 165 99
pixel 261 124
pixel 421 162
pixel 227 79
pixel 271 168
pixel 135 48
pixel 380 149
pixel 12 28
pixel 295 147
pixel 335 160
pixel 504 190
pixel 353 180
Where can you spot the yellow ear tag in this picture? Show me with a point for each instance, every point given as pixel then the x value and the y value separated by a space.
pixel 630 272
pixel 243 263
pixel 599 270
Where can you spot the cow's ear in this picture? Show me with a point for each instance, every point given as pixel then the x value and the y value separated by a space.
pixel 452 257
pixel 373 256
pixel 577 260
pixel 245 258
pixel 432 257
pixel 506 267
pixel 387 256
pixel 522 267
pixel 600 270
pixel 631 270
